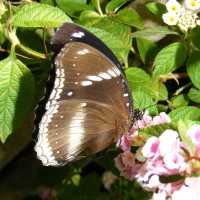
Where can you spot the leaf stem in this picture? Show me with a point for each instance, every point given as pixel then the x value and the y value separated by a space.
pixel 31 52
pixel 98 7
pixel 182 88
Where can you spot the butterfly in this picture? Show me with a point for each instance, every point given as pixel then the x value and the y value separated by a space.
pixel 90 105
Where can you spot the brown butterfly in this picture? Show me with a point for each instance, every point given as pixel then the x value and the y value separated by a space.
pixel 90 105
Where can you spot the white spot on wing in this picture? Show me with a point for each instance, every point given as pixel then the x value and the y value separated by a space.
pixel 86 83
pixel 105 75
pixel 112 73
pixel 94 78
pixel 82 51
pixel 78 34
pixel 83 104
pixel 76 132
pixel 69 93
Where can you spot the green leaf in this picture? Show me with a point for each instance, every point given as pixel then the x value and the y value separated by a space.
pixel 154 34
pixel 50 2
pixel 179 101
pixel 193 68
pixel 194 37
pixel 162 92
pixel 147 49
pixel 89 17
pixel 183 126
pixel 185 112
pixel 169 59
pixel 115 35
pixel 114 5
pixel 71 7
pixel 156 8
pixel 194 95
pixel 156 130
pixel 143 100
pixel 171 178
pixel 137 76
pixel 16 95
pixel 130 17
pixel 39 15
pixel 2 33
pixel 138 79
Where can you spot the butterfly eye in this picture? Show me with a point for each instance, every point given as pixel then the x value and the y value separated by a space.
pixel 90 105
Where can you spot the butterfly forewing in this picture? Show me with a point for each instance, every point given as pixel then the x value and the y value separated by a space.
pixel 88 107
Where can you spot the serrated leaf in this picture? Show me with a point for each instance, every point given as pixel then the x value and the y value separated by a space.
pixel 163 93
pixel 138 79
pixel 193 66
pixel 154 34
pixel 16 95
pixel 143 100
pixel 115 35
pixel 39 15
pixel 169 59
pixel 89 17
pixel 114 5
pixel 194 37
pixel 194 95
pixel 2 33
pixel 156 130
pixel 137 76
pixel 71 7
pixel 49 2
pixel 179 101
pixel 130 17
pixel 147 49
pixel 183 126
pixel 156 8
pixel 185 112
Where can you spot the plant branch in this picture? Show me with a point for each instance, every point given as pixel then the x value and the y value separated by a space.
pixel 98 7
pixel 31 52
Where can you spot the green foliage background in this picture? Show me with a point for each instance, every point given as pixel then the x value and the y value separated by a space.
pixel 162 66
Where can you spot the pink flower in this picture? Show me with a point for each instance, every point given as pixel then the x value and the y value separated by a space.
pixel 159 196
pixel 190 190
pixel 169 142
pixel 127 165
pixel 175 161
pixel 151 147
pixel 125 142
pixel 194 133
pixel 161 119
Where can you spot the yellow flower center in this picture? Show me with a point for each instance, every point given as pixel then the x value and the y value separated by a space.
pixel 193 3
pixel 174 8
pixel 171 19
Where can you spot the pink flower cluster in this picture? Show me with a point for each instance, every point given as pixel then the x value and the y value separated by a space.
pixel 161 156
pixel 126 140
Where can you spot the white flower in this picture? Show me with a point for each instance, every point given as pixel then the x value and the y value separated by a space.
pixel 198 22
pixel 173 6
pixel 192 4
pixel 108 179
pixel 170 18
pixel 187 20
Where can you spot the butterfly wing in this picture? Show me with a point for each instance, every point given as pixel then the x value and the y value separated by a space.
pixel 89 106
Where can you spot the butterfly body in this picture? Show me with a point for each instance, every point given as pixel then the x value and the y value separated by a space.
pixel 90 105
